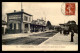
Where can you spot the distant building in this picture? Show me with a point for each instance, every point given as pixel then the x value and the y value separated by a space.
pixel 67 25
pixel 21 22
pixel 38 25
pixel 70 25
pixel 4 26
pixel 64 26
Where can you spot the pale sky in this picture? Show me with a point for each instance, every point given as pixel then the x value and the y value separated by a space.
pixel 50 10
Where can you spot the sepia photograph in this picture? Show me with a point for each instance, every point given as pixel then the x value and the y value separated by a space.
pixel 39 26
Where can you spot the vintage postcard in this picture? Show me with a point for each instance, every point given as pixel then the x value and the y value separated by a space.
pixel 39 26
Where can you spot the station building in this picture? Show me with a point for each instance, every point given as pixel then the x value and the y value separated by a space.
pixel 22 22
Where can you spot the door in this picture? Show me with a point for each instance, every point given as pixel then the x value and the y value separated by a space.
pixel 10 26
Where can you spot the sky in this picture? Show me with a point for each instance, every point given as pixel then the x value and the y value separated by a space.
pixel 49 11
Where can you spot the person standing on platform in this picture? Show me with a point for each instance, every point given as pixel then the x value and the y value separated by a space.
pixel 72 34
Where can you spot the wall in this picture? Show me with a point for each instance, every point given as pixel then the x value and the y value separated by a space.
pixel 14 19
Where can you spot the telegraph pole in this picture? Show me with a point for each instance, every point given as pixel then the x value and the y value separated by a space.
pixel 21 5
pixel 21 19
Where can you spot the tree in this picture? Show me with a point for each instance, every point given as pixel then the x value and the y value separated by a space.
pixel 71 22
pixel 49 24
pixel 73 26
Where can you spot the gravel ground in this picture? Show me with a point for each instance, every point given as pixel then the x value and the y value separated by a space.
pixel 34 39
pixel 24 40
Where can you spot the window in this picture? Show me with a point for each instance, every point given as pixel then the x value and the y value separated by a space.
pixel 26 25
pixel 25 18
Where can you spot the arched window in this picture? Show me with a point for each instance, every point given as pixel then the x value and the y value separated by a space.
pixel 10 25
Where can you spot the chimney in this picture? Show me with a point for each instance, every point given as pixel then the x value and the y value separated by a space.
pixel 22 10
pixel 14 10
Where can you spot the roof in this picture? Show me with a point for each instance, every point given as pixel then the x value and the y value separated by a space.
pixel 35 22
pixel 64 24
pixel 19 12
pixel 61 24
pixel 4 22
pixel 41 19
